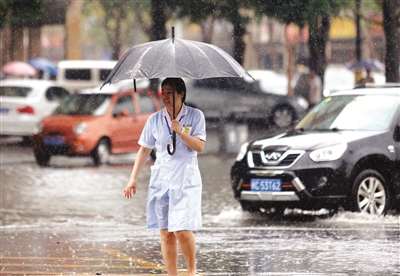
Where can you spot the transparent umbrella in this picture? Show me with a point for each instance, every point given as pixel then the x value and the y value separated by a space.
pixel 175 58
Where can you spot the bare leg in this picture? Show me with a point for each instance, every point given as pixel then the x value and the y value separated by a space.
pixel 169 251
pixel 187 244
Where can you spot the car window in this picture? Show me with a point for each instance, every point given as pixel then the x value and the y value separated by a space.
pixel 78 74
pixel 225 83
pixel 146 103
pixel 124 103
pixel 104 74
pixel 355 112
pixel 14 91
pixel 84 104
pixel 56 93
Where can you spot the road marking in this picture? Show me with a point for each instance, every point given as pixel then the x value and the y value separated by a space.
pixel 70 265
pixel 117 256
pixel 72 273
pixel 147 264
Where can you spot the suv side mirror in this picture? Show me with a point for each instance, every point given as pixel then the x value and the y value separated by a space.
pixel 396 133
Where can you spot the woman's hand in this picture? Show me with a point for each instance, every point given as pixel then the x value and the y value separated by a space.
pixel 130 189
pixel 191 141
pixel 176 126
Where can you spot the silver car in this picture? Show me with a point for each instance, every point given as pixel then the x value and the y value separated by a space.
pixel 223 98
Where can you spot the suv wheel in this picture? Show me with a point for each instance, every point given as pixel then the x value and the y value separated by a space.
pixel 370 193
pixel 42 159
pixel 282 117
pixel 101 153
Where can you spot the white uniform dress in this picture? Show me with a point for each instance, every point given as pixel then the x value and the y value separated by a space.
pixel 174 194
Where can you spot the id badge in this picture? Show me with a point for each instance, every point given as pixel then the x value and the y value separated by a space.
pixel 170 145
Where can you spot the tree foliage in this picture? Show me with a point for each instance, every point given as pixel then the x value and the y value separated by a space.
pixel 229 10
pixel 20 12
pixel 111 15
pixel 312 13
pixel 391 24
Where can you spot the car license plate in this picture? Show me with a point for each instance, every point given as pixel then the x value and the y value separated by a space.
pixel 4 110
pixel 265 185
pixel 54 141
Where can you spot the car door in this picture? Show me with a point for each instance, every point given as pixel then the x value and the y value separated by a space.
pixel 396 172
pixel 124 118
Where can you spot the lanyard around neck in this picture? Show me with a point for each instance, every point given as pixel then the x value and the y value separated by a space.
pixel 166 121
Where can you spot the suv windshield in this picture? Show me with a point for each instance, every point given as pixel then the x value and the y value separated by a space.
pixel 84 104
pixel 353 112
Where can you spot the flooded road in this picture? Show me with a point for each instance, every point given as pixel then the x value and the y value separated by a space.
pixel 72 218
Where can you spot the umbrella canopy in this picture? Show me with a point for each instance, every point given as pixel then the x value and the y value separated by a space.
pixel 175 58
pixel 45 65
pixel 19 69
pixel 371 64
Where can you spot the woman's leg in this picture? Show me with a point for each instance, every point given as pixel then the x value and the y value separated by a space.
pixel 187 244
pixel 169 251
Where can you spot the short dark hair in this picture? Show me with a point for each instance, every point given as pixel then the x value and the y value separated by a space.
pixel 178 84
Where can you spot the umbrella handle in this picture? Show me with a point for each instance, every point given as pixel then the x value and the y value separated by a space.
pixel 171 152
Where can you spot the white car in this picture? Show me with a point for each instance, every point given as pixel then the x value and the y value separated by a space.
pixel 24 102
pixel 270 81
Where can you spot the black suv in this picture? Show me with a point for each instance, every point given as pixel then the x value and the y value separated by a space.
pixel 344 152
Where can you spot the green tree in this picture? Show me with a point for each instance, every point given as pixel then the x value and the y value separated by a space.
pixel 20 12
pixel 112 15
pixel 159 19
pixel 391 25
pixel 209 10
pixel 315 14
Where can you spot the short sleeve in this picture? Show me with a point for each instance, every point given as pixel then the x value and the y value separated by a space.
pixel 198 124
pixel 147 138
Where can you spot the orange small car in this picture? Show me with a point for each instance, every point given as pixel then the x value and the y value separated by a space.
pixel 95 125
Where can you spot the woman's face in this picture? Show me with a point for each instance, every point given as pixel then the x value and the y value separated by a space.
pixel 167 97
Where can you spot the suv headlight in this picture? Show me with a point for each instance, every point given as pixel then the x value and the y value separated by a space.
pixel 80 128
pixel 242 152
pixel 329 153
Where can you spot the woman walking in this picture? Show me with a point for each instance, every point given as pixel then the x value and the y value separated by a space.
pixel 174 193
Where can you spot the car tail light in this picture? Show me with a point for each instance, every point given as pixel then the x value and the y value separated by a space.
pixel 26 109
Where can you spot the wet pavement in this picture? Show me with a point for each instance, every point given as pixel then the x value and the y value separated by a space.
pixel 72 219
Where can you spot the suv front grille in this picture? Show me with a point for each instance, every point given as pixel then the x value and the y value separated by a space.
pixel 262 159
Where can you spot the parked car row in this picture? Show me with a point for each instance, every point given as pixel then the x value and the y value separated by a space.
pixel 344 152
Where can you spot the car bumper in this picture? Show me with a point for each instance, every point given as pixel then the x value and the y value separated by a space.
pixel 72 145
pixel 300 188
pixel 23 127
pixel 269 196
pixel 299 192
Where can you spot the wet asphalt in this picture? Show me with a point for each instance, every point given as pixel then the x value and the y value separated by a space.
pixel 71 219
